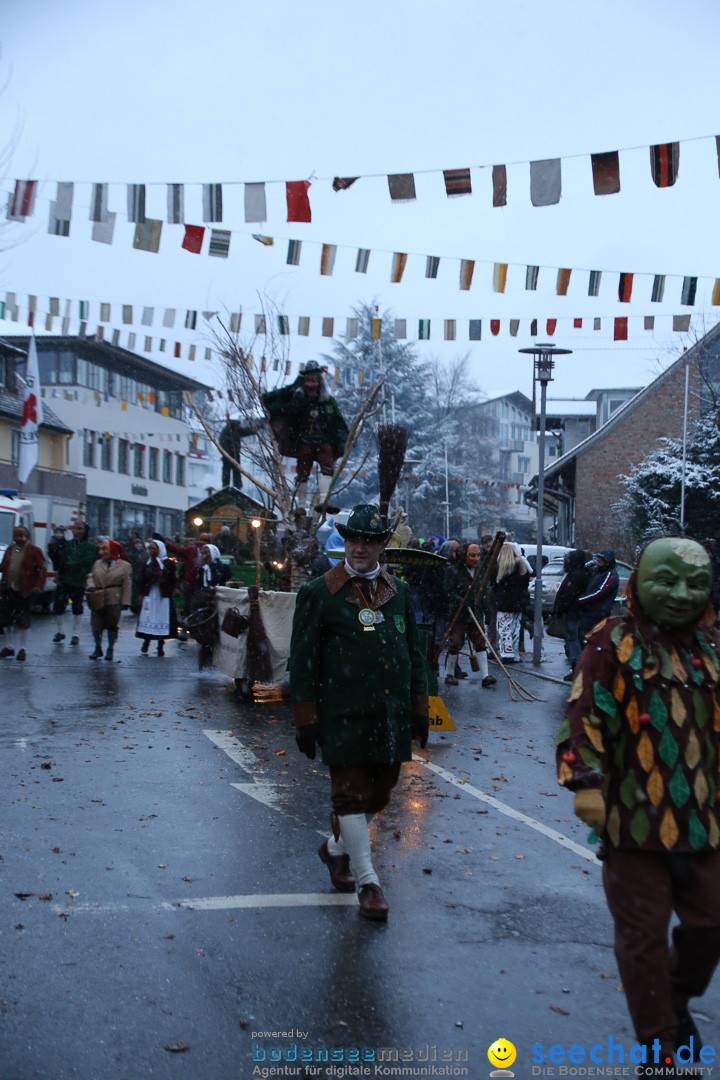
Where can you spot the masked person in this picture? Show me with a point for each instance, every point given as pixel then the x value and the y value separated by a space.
pixel 639 747
pixel 80 554
pixel 22 573
pixel 109 575
pixel 461 603
pixel 310 427
pixel 156 583
pixel 359 689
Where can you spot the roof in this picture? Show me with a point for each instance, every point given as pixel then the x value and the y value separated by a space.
pixel 115 357
pixel 570 407
pixel 11 406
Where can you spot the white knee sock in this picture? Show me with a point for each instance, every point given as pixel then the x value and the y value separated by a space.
pixel 336 847
pixel 77 622
pixel 354 831
pixel 482 660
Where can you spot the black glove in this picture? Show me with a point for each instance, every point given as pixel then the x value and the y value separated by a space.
pixel 126 607
pixel 421 730
pixel 306 738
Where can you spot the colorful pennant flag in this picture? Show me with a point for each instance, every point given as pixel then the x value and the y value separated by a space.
pixel 136 203
pixel 298 203
pixel 212 203
pixel 147 316
pixel 293 252
pixel 398 267
pixel 500 276
pixel 260 327
pixel 621 329
pixel 495 327
pixel 147 235
pixel 99 205
pixel 127 314
pixel 255 203
pixel 235 322
pixel 376 329
pixel 625 288
pixel 457 182
pixel 432 265
pixel 351 329
pixel 175 204
pixel 103 231
pixel 402 187
pixel 449 329
pixel 606 173
pixel 327 260
pixel 545 182
pixel 283 325
pixel 689 288
pixel 514 327
pixel 499 183
pixel 716 290
pixel 649 322
pixel 563 281
pixel 424 330
pixel 61 210
pixel 169 317
pixel 531 278
pixel 475 330
pixel 304 325
pixel 467 268
pixel 400 329
pixel 328 327
pixel 550 327
pixel 665 163
pixel 193 239
pixel 361 262
pixel 342 183
pixel 21 204
pixel 594 283
pixel 681 324
pixel 658 288
pixel 219 246
pixel 190 320
pixel 267 241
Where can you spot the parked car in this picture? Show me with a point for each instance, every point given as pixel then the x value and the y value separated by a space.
pixel 553 575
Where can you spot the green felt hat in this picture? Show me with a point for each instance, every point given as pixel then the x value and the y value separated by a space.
pixel 365 520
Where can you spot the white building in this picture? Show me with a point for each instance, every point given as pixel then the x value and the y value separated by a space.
pixel 133 441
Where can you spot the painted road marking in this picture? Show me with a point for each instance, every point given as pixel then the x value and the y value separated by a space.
pixel 234 749
pixel 516 815
pixel 263 791
pixel 266 900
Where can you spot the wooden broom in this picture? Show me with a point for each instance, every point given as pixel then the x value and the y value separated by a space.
pixel 392 444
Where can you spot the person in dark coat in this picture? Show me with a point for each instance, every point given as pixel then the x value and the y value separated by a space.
pixel 358 685
pixel 22 573
pixel 157 584
pixel 460 578
pixel 567 603
pixel 80 555
pixel 639 747
pixel 510 592
pixel 597 600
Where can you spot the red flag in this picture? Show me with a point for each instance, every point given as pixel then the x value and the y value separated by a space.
pixel 298 203
pixel 495 327
pixel 193 238
pixel 625 288
pixel 621 329
pixel 551 325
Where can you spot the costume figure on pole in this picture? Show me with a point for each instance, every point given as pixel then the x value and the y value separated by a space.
pixel 309 426
pixel 639 747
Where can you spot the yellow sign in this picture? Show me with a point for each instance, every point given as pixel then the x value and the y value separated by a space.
pixel 439 716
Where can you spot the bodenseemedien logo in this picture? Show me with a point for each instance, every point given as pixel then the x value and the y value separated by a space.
pixel 502 1054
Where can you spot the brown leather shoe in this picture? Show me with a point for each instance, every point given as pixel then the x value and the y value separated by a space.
pixel 489 680
pixel 451 680
pixel 339 867
pixel 373 904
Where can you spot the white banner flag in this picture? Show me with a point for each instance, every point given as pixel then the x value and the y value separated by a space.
pixel 31 418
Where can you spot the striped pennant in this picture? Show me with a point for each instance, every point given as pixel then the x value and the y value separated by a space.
pixel 83 309
pixel 625 288
pixel 136 202
pixel 424 330
pixel 235 322
pixel 665 163
pixel 21 203
pixel 266 241
pixel 531 278
pixel 467 268
pixel 327 261
pixel 681 324
pixel 400 329
pixel 175 204
pixel 402 187
pixel 212 202
pixel 597 324
pixel 500 276
pixel 658 288
pixel 342 183
pixel 293 252
pixel 351 329
pixel 219 243
pixel 594 283
pixel 495 327
pixel 649 322
pixel 376 329
pixel 328 327
pixel 457 182
pixel 620 332
pixel 255 204
pixel 606 173
pixel 432 265
pixel 514 327
pixel 304 325
pixel 715 301
pixel 147 235
pixel 398 267
pixel 283 325
pixel 689 288
pixel 563 281
pixel 57 226
pixel 260 325
pixel 361 262
pixel 499 183
pixel 450 329
pixel 550 327
pixel 99 203
pixel 190 320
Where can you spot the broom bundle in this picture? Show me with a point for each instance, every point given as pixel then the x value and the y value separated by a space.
pixel 392 444
pixel 258 667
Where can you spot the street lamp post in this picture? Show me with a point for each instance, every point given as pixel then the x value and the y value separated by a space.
pixel 543 365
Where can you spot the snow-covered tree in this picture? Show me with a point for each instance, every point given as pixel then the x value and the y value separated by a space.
pixel 651 504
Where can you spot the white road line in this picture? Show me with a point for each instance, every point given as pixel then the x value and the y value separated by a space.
pixel 263 791
pixel 234 749
pixel 265 900
pixel 516 815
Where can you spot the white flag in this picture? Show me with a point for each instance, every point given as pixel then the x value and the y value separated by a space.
pixel 31 417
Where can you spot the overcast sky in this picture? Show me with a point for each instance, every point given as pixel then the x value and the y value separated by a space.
pixel 228 92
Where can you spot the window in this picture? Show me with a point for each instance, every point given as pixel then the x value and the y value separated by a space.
pixel 15 446
pixel 139 459
pixel 123 459
pixel 167 467
pixel 106 454
pixel 154 463
pixel 180 470
pixel 523 464
pixel 89 449
pixel 3 371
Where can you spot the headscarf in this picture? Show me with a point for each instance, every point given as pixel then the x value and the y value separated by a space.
pixel 117 551
pixel 207 568
pixel 162 551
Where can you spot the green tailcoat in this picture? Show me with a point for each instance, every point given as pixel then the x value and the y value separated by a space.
pixel 362 686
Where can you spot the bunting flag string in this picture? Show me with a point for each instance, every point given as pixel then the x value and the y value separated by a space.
pixel 545 186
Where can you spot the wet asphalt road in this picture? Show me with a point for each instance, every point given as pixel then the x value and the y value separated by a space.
pixel 163 833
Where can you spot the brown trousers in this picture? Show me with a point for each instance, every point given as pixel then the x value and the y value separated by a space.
pixel 308 454
pixel 643 888
pixel 456 640
pixel 362 789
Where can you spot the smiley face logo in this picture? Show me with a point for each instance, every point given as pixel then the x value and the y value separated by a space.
pixel 502 1053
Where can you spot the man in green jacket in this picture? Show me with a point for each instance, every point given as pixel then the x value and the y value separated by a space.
pixel 359 689
pixel 70 581
pixel 310 427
